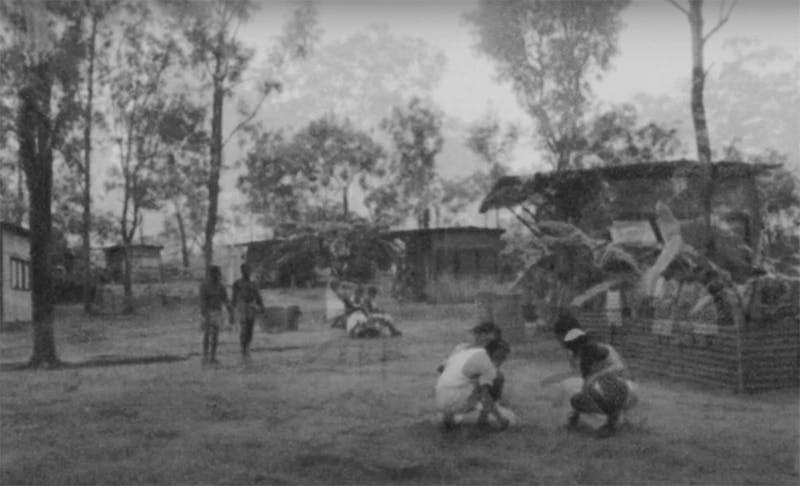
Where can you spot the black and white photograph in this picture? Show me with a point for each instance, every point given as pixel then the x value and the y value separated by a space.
pixel 378 242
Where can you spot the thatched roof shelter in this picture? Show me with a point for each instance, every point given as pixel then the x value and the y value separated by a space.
pixel 511 191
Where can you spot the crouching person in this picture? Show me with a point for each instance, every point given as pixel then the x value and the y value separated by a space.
pixel 377 318
pixel 470 385
pixel 607 385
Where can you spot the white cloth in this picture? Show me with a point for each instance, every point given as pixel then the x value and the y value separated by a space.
pixel 464 371
pixel 354 319
pixel 334 306
pixel 473 416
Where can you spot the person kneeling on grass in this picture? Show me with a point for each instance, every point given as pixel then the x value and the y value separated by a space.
pixel 470 383
pixel 376 318
pixel 349 303
pixel 212 298
pixel 607 385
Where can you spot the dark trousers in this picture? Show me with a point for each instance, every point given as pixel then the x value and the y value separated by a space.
pixel 496 390
pixel 609 402
pixel 246 334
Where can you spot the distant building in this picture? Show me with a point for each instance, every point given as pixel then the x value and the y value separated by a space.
pixel 15 269
pixel 272 267
pixel 145 262
pixel 458 253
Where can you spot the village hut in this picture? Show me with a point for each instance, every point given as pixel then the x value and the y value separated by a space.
pixel 272 265
pixel 711 315
pixel 433 255
pixel 145 261
pixel 15 271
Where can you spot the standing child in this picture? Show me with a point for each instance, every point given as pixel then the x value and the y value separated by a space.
pixel 247 301
pixel 212 297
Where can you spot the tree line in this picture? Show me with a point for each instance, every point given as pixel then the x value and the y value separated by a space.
pixel 151 83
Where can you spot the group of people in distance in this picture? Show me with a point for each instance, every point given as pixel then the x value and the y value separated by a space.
pixel 245 303
pixel 355 311
pixel 469 387
pixel 360 316
pixel 470 384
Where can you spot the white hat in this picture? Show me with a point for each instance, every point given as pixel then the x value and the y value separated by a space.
pixel 573 334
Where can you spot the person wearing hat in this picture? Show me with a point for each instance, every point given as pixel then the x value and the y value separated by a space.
pixel 607 385
pixel 467 385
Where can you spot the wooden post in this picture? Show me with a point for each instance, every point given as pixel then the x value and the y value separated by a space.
pixel 738 318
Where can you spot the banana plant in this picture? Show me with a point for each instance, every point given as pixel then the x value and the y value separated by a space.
pixel 614 265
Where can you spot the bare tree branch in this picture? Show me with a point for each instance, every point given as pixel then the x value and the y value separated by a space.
pixel 249 117
pixel 679 7
pixel 723 19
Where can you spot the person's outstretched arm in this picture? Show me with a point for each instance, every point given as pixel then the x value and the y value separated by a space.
pixel 489 407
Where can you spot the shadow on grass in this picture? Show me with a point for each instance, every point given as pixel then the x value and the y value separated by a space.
pixel 100 362
pixel 116 360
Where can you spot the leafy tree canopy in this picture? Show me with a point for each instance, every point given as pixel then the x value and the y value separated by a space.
pixel 550 50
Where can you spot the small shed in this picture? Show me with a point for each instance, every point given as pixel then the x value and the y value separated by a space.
pixel 266 260
pixel 621 200
pixel 432 254
pixel 145 262
pixel 15 270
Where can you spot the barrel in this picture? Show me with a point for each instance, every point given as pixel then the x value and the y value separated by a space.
pixel 280 318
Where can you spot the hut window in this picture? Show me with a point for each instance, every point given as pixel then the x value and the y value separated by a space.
pixel 20 274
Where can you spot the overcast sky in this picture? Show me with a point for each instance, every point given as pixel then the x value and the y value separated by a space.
pixel 654 46
pixel 654 50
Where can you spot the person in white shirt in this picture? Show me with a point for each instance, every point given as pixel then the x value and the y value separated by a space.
pixel 470 382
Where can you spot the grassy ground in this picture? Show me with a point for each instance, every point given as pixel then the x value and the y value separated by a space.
pixel 314 407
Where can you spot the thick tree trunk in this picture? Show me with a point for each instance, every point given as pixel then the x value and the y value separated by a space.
pixel 87 188
pixel 19 210
pixel 182 232
pixel 127 278
pixel 699 118
pixel 36 153
pixel 345 205
pixel 214 171
pixel 698 82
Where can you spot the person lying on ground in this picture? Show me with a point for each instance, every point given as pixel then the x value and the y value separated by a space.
pixel 470 383
pixel 213 297
pixel 246 300
pixel 376 318
pixel 607 384
pixel 359 324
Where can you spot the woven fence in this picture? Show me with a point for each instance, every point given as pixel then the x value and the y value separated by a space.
pixel 763 356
